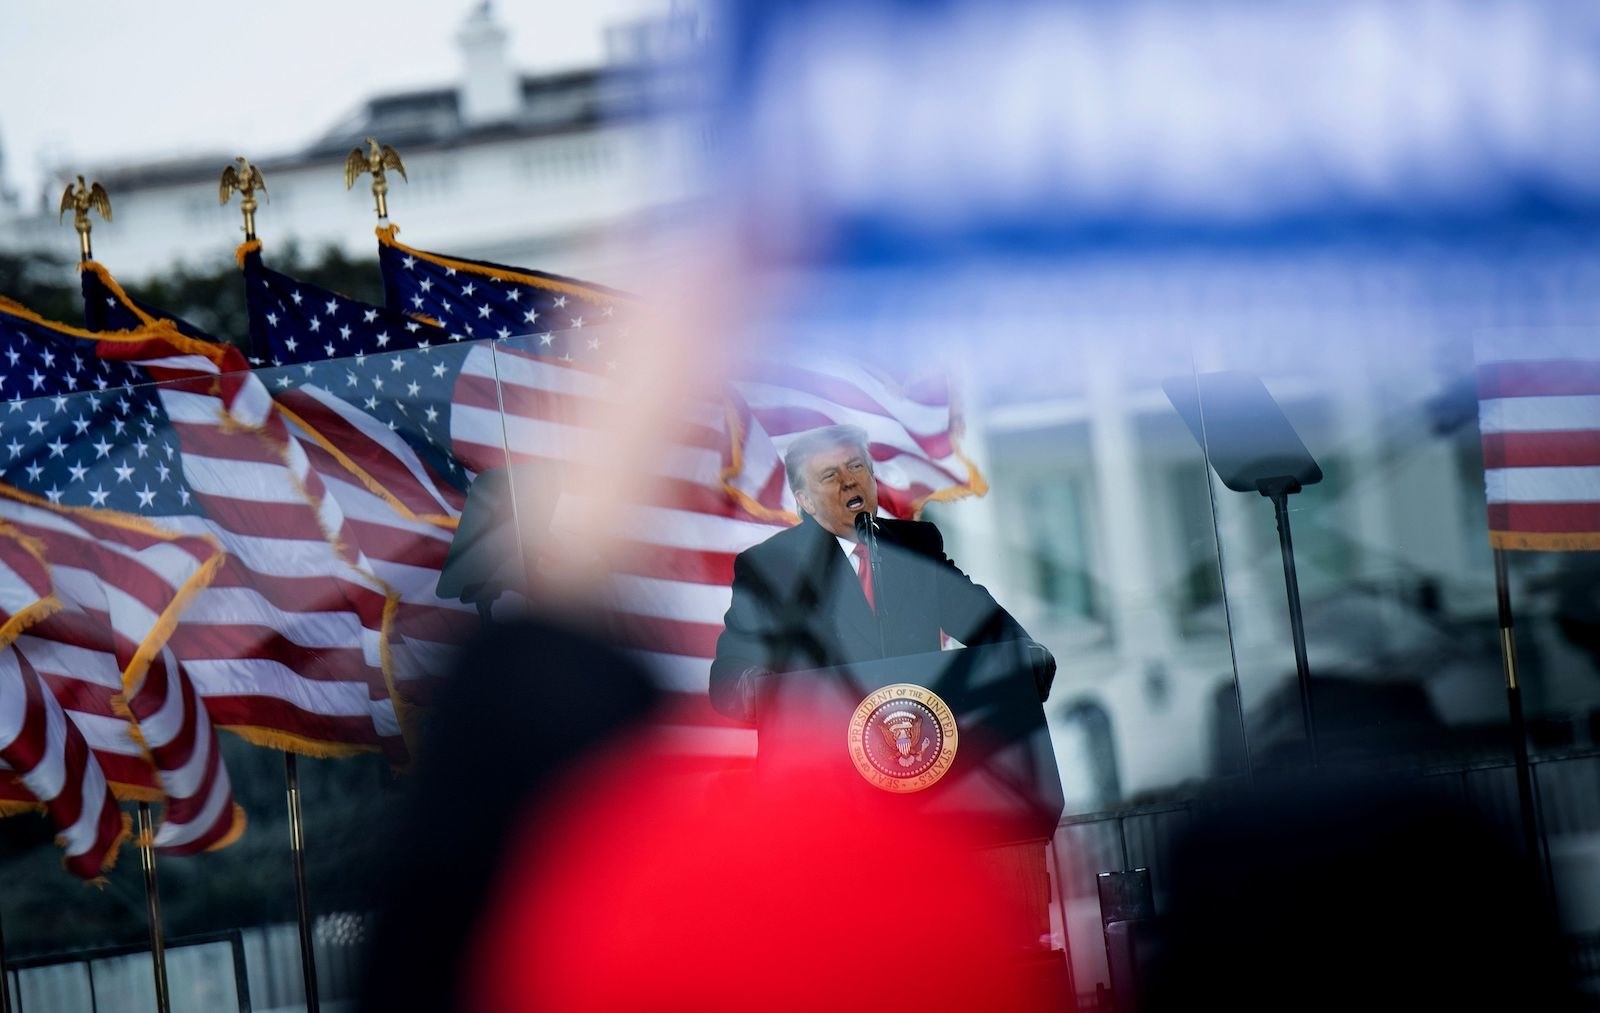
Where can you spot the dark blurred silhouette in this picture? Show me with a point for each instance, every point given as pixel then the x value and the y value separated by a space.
pixel 1359 717
pixel 528 700
pixel 1577 601
pixel 1333 894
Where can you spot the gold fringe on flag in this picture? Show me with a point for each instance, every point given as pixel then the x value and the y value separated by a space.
pixel 289 742
pixel 386 237
pixel 1545 541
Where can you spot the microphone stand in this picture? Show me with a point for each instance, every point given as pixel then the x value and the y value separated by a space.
pixel 867 534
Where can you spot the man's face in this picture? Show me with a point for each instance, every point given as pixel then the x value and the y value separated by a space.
pixel 838 485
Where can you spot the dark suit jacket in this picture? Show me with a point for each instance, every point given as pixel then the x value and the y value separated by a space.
pixel 797 605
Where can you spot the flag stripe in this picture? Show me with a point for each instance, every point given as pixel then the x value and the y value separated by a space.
pixel 106 734
pixel 1539 378
pixel 848 385
pixel 1544 485
pixel 669 636
pixel 245 711
pixel 796 413
pixel 673 599
pixel 492 436
pixel 647 559
pixel 246 677
pixel 538 388
pixel 1539 414
pixel 258 621
pixel 201 827
pixel 232 638
pixel 1545 517
pixel 1559 448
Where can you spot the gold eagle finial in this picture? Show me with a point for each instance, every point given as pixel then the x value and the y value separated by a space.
pixel 80 200
pixel 246 179
pixel 379 158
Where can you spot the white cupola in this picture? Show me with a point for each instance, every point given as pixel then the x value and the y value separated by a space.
pixel 490 89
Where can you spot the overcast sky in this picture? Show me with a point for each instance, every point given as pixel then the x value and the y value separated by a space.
pixel 101 80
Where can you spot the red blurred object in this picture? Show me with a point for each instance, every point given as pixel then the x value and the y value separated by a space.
pixel 649 891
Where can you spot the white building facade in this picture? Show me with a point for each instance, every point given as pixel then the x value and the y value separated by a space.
pixel 549 170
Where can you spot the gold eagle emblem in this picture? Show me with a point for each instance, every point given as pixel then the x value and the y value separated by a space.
pixel 901 730
pixel 85 197
pixel 246 179
pixel 377 161
pixel 80 200
pixel 243 177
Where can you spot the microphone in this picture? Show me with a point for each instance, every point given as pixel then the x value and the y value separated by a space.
pixel 867 534
pixel 864 529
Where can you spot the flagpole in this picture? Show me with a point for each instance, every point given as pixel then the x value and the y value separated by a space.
pixel 152 897
pixel 245 180
pixel 1519 731
pixel 5 976
pixel 297 847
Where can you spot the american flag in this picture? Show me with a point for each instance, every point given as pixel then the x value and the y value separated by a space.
pixel 289 645
pixel 294 322
pixel 1539 414
pixel 48 759
pixel 90 478
pixel 424 403
pixel 330 338
pixel 375 421
pixel 724 488
pixel 913 426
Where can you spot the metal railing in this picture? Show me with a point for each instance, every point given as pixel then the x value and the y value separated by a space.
pixel 109 979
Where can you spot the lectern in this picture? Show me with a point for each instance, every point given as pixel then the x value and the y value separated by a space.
pixel 973 745
pixel 957 738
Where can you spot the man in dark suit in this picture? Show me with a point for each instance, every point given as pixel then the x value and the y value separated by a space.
pixel 805 598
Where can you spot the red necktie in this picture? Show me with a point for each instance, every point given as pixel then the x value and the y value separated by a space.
pixel 864 572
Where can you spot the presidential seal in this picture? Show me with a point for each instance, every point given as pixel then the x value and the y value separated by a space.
pixel 903 738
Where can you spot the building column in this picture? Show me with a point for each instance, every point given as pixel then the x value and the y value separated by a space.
pixel 1125 494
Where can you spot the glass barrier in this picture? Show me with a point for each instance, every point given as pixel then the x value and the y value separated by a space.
pixel 1097 463
pixel 1094 529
